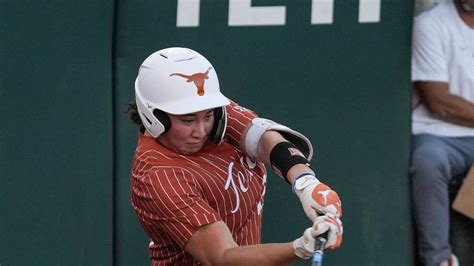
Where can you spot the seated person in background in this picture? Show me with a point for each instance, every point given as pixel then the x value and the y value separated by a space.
pixel 443 120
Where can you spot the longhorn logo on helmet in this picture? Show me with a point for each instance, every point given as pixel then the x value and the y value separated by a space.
pixel 198 79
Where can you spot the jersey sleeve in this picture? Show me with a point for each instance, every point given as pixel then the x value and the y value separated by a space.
pixel 238 118
pixel 170 200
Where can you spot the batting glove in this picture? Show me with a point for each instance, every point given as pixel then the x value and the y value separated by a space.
pixel 316 197
pixel 304 247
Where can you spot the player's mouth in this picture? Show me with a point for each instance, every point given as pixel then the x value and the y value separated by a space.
pixel 196 144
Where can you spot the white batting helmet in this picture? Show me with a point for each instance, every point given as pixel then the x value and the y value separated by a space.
pixel 178 81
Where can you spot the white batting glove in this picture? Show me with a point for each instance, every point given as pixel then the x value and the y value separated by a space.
pixel 304 247
pixel 316 197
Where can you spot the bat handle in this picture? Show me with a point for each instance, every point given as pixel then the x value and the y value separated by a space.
pixel 319 246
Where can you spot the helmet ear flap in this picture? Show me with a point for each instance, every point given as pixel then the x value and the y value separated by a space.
pixel 163 118
pixel 220 124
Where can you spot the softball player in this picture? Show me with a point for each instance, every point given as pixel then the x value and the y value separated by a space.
pixel 198 176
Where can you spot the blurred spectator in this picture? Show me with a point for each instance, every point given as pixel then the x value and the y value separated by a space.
pixel 443 119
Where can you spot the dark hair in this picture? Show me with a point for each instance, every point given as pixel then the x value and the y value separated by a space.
pixel 132 111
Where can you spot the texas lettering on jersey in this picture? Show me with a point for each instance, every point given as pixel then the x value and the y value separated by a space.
pixel 244 179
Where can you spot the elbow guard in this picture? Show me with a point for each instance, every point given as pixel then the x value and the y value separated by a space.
pixel 260 126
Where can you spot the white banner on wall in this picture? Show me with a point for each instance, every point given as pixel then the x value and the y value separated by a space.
pixel 242 13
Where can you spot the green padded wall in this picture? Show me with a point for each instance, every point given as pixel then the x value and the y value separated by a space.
pixel 56 132
pixel 343 84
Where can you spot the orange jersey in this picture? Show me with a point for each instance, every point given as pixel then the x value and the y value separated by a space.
pixel 174 195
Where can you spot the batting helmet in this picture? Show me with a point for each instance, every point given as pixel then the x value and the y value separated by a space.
pixel 178 81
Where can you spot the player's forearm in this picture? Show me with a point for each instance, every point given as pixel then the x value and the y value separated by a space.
pixel 213 244
pixel 269 140
pixel 298 170
pixel 264 254
pixel 267 143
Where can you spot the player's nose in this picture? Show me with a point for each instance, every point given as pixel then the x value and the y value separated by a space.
pixel 200 129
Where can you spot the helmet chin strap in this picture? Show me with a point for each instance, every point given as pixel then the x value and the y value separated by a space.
pixel 467 6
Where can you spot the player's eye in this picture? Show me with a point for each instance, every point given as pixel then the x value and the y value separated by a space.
pixel 209 117
pixel 187 121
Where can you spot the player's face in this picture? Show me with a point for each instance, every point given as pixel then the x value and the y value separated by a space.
pixel 188 133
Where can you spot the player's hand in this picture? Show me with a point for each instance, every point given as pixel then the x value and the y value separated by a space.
pixel 304 247
pixel 316 197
